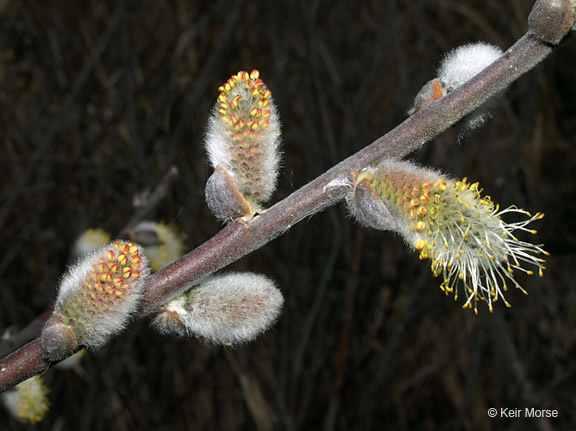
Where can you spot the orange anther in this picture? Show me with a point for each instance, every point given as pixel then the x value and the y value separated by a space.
pixel 110 256
pixel 122 259
pixel 235 101
pixel 106 277
pixel 422 211
pixel 254 74
pixel 440 184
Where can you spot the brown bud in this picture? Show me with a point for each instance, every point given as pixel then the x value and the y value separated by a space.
pixel 58 340
pixel 223 196
pixel 367 207
pixel 551 20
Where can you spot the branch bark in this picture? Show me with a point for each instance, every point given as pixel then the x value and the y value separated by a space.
pixel 240 238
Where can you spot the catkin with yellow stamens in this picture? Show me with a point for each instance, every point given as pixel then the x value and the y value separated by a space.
pixel 453 225
pixel 96 298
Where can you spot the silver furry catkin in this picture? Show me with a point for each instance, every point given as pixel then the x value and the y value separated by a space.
pixel 459 66
pixel 224 309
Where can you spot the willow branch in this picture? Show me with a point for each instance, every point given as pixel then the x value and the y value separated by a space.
pixel 238 239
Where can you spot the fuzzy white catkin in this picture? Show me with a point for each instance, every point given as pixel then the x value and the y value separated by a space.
pixel 99 294
pixel 465 62
pixel 462 64
pixel 224 309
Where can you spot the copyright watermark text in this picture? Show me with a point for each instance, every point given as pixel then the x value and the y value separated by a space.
pixel 528 412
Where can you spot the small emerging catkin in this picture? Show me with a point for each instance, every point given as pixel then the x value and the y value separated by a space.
pixel 96 298
pixel 459 66
pixel 224 309
pixel 452 224
pixel 243 138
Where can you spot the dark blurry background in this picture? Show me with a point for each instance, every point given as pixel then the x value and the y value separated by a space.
pixel 99 99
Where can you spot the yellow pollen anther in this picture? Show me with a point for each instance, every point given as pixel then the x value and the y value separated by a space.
pixel 420 244
pixel 122 259
pixel 235 101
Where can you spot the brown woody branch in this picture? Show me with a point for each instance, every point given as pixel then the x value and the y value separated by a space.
pixel 549 24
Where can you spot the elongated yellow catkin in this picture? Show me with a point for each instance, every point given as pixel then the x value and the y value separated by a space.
pixel 243 138
pixel 453 225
